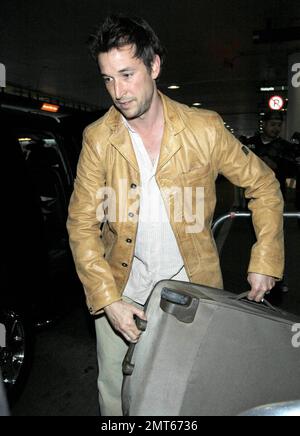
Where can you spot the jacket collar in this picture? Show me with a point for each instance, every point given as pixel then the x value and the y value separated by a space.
pixel 120 137
pixel 174 124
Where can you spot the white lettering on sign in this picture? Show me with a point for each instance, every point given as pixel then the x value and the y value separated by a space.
pixel 2 76
pixel 296 337
pixel 296 76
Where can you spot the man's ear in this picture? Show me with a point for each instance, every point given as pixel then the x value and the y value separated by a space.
pixel 155 67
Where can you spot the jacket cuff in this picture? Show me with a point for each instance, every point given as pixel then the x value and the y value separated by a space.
pixel 272 267
pixel 97 301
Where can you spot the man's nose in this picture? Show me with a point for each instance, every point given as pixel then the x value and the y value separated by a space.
pixel 119 90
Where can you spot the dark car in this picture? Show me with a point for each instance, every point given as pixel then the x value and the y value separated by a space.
pixel 38 281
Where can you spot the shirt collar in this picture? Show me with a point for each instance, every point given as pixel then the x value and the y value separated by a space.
pixel 126 123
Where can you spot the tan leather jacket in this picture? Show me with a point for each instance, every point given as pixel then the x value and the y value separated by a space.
pixel 195 149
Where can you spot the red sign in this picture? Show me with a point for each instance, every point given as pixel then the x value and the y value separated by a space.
pixel 276 103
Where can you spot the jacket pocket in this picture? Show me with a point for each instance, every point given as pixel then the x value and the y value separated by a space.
pixel 195 175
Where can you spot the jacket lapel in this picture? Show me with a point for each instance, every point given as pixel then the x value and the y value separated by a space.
pixel 169 146
pixel 171 142
pixel 120 138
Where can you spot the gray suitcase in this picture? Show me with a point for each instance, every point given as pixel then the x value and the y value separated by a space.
pixel 206 353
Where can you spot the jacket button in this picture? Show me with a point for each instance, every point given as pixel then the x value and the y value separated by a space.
pixel 124 264
pixel 133 185
pixel 131 214
pixel 129 241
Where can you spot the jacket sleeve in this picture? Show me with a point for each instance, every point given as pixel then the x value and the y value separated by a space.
pixel 85 234
pixel 243 168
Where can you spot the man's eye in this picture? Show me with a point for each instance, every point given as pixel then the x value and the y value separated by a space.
pixel 107 79
pixel 128 75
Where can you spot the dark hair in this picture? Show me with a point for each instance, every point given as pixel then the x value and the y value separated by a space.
pixel 119 30
pixel 273 115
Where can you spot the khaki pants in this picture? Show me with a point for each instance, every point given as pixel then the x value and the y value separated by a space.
pixel 111 350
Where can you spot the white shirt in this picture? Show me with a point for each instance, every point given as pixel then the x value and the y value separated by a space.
pixel 156 255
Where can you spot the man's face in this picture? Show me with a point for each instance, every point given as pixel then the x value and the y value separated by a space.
pixel 272 128
pixel 129 83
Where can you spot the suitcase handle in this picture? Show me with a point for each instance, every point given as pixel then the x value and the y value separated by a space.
pixel 127 365
pixel 263 301
pixel 140 323
pixel 182 306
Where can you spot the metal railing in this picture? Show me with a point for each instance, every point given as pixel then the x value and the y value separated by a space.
pixel 232 216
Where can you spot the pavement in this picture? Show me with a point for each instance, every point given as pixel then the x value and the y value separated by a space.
pixel 62 381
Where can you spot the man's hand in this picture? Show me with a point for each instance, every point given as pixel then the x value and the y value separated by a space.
pixel 120 315
pixel 260 284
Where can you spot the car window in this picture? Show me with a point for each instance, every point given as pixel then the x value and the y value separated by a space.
pixel 52 179
pixel 42 149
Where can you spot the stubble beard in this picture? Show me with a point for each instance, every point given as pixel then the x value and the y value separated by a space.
pixel 141 110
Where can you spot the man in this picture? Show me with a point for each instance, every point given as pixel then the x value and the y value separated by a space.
pixel 164 151
pixel 278 154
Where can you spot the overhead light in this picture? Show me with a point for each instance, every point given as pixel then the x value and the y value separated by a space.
pixel 173 87
pixel 50 107
pixel 197 104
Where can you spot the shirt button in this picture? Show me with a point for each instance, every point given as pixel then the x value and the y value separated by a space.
pixel 131 214
pixel 129 241
pixel 133 185
pixel 124 264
